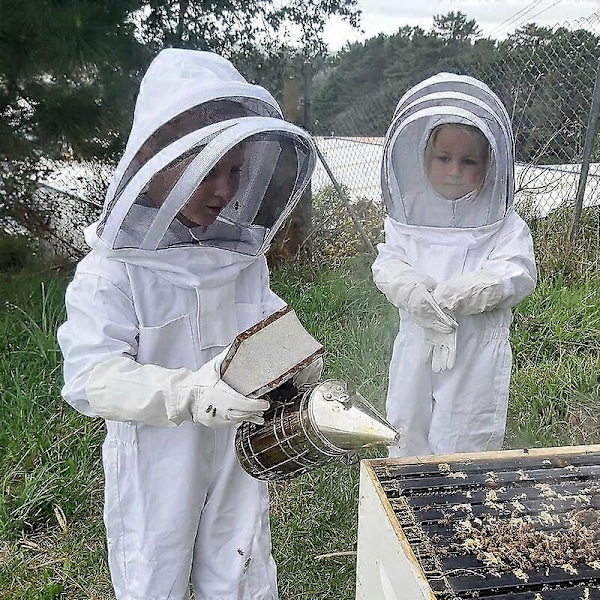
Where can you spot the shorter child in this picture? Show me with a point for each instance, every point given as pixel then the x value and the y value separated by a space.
pixel 456 258
pixel 456 159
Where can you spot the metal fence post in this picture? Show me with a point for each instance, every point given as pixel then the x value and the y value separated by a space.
pixel 307 122
pixel 587 153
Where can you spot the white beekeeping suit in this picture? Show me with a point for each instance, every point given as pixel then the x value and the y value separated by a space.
pixel 454 267
pixel 151 310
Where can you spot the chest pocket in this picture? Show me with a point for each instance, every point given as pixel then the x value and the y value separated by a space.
pixel 442 261
pixel 170 345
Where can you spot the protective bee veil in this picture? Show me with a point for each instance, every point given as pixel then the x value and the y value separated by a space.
pixel 194 111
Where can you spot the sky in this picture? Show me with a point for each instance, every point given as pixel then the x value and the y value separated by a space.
pixel 496 18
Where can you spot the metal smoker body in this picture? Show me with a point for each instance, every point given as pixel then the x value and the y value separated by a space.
pixel 307 426
pixel 304 427
pixel 321 423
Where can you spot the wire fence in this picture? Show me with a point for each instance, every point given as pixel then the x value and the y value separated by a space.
pixel 548 84
pixel 550 87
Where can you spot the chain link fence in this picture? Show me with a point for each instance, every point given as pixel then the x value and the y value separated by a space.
pixel 548 85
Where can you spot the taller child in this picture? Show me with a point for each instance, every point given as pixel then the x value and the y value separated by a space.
pixel 176 270
pixel 456 258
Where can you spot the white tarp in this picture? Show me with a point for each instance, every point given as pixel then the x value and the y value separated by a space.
pixel 356 162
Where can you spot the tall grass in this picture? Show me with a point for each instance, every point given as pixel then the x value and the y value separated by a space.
pixel 51 534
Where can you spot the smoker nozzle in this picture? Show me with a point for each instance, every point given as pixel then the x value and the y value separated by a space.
pixel 347 420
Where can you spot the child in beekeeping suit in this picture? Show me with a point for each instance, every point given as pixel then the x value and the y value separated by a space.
pixel 456 258
pixel 176 270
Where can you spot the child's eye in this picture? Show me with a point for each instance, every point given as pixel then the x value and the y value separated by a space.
pixel 471 162
pixel 443 159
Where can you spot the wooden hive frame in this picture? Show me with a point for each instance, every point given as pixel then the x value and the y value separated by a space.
pixel 413 512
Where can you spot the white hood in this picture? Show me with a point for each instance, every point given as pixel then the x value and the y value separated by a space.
pixel 181 104
pixel 408 195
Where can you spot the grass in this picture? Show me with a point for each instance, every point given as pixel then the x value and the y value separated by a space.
pixel 51 533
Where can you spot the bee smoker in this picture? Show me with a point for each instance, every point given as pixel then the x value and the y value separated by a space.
pixel 307 426
pixel 320 423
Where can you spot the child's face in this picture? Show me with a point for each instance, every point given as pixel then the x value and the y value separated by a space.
pixel 457 163
pixel 215 191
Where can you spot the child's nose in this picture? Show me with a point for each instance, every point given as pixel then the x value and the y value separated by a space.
pixel 455 169
pixel 224 188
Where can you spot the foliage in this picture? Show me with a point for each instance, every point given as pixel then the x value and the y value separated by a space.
pixel 544 76
pixel 334 235
pixel 66 74
pixel 51 533
pixel 455 28
pixel 402 59
pixel 15 252
pixel 69 72
pixel 560 259
pixel 250 24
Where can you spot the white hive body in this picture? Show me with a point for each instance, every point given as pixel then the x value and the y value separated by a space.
pixel 318 424
pixel 495 525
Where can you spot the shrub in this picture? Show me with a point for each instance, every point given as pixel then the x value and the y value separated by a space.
pixel 559 257
pixel 334 236
pixel 15 252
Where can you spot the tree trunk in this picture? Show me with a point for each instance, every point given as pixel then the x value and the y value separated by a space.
pixel 290 243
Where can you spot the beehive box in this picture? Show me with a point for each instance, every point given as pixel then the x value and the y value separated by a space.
pixel 507 525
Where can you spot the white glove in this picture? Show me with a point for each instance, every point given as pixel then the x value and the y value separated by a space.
pixel 426 311
pixel 205 398
pixel 408 290
pixel 310 374
pixel 470 293
pixel 440 349
pixel 122 390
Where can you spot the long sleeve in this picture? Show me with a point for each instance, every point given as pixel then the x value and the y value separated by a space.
pixel 392 272
pixel 506 276
pixel 101 324
pixel 513 261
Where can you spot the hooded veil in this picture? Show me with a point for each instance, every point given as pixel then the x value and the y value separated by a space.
pixel 193 108
pixel 408 195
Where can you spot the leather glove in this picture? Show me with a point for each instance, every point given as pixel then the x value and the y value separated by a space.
pixel 310 374
pixel 208 400
pixel 411 291
pixel 440 349
pixel 470 293
pixel 426 311
pixel 121 389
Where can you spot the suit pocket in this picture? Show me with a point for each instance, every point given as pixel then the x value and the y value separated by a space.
pixel 170 345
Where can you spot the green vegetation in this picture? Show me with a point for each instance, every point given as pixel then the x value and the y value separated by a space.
pixel 544 76
pixel 51 532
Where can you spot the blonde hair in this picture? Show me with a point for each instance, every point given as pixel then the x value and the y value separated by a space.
pixel 469 130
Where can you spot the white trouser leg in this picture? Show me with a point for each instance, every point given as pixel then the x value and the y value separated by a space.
pixel 409 399
pixel 156 484
pixel 232 559
pixel 471 400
